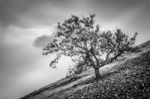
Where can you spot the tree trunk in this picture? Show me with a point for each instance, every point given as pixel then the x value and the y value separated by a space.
pixel 97 74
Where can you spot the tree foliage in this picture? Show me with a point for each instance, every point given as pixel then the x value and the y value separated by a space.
pixel 81 39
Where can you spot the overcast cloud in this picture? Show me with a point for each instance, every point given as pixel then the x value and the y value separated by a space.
pixel 24 23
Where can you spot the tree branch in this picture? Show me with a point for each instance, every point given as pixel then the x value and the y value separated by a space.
pixel 79 46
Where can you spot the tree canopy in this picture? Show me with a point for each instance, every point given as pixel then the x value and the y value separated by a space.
pixel 88 46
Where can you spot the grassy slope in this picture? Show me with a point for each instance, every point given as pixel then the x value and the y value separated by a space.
pixel 128 78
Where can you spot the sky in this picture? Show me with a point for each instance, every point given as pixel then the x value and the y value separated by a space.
pixel 26 25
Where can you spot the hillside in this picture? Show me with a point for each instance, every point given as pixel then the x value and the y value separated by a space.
pixel 128 78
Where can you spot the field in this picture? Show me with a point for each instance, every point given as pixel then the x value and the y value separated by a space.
pixel 127 78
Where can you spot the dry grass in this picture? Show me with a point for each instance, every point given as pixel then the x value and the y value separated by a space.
pixel 130 81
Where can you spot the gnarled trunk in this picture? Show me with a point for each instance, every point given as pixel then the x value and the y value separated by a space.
pixel 97 74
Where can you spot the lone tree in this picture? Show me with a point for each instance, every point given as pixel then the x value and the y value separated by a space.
pixel 82 40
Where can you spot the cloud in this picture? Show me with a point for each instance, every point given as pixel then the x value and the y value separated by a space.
pixel 40 42
pixel 32 13
pixel 18 57
pixel 10 11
